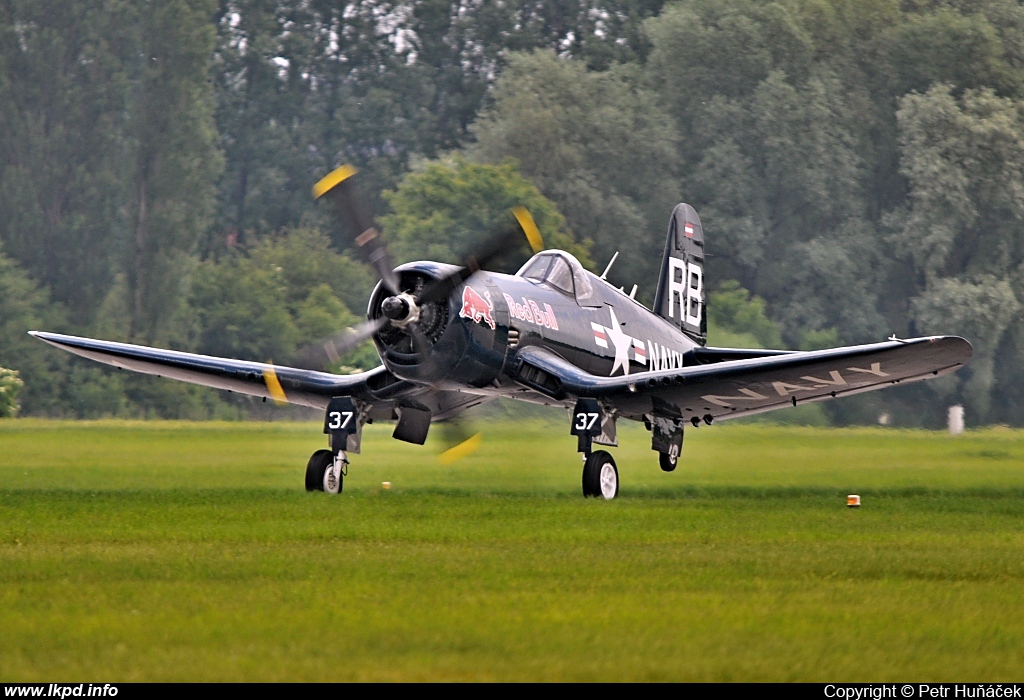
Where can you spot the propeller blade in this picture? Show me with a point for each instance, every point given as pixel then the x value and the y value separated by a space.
pixel 529 227
pixel 459 439
pixel 422 346
pixel 329 350
pixel 496 245
pixel 339 191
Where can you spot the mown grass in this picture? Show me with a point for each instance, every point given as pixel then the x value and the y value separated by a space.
pixel 178 551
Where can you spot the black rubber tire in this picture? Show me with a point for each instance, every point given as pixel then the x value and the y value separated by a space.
pixel 590 477
pixel 315 468
pixel 667 462
pixel 592 474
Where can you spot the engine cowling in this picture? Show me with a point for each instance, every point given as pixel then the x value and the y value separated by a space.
pixel 462 338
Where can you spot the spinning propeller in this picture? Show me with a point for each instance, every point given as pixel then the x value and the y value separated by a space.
pixel 412 317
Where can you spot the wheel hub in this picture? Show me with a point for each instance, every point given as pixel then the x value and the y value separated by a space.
pixel 609 481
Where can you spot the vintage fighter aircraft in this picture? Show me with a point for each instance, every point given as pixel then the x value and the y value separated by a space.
pixel 453 337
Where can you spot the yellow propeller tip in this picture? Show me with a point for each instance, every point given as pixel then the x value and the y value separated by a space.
pixel 460 451
pixel 274 386
pixel 529 228
pixel 335 178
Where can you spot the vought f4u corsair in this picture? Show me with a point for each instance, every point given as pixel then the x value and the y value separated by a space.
pixel 453 337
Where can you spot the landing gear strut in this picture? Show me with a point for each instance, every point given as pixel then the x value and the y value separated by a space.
pixel 591 424
pixel 343 422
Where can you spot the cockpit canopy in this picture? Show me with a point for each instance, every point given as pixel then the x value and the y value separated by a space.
pixel 561 271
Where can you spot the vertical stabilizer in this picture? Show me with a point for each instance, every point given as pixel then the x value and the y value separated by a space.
pixel 680 298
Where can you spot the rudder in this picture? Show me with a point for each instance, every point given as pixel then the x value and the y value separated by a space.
pixel 680 298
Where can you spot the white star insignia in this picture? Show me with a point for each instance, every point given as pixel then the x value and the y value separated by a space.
pixel 622 343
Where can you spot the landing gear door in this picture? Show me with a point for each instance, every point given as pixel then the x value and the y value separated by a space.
pixel 343 423
pixel 667 436
pixel 591 423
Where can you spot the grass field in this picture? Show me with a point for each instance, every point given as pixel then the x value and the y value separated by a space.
pixel 189 551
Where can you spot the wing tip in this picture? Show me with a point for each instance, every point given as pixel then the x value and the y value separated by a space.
pixel 956 343
pixel 56 339
pixel 45 336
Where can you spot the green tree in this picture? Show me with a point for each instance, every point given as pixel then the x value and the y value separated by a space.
pixel 242 310
pixel 981 309
pixel 25 307
pixel 176 158
pixel 64 86
pixel 961 47
pixel 959 233
pixel 281 294
pixel 55 384
pixel 776 123
pixel 597 145
pixel 446 208
pixel 964 159
pixel 267 62
pixel 732 308
pixel 307 261
pixel 10 390
pixel 704 49
pixel 302 87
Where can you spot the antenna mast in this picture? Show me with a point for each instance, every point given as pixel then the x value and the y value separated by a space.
pixel 610 263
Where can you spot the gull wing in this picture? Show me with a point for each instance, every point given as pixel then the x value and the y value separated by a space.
pixel 734 388
pixel 299 386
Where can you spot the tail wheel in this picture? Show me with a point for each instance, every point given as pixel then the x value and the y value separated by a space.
pixel 667 462
pixel 316 469
pixel 600 476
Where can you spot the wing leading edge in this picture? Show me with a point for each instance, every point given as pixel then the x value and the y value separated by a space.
pixel 721 390
pixel 736 388
pixel 300 386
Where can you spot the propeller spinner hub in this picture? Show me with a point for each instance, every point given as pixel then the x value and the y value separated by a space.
pixel 401 309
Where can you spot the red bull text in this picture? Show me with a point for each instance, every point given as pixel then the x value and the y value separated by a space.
pixel 530 311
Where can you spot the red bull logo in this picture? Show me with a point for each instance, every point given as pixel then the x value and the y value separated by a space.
pixel 530 311
pixel 476 307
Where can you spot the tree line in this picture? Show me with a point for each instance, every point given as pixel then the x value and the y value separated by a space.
pixel 858 166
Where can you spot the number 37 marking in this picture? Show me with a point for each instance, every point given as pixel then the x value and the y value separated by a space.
pixel 585 421
pixel 335 421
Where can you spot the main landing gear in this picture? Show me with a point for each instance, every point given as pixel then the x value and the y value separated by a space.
pixel 666 440
pixel 591 424
pixel 326 471
pixel 600 476
pixel 343 423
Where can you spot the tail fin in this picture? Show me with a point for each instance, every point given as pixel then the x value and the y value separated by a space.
pixel 680 298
